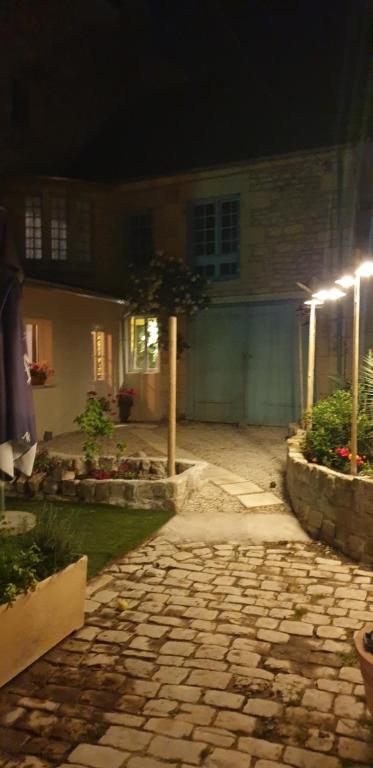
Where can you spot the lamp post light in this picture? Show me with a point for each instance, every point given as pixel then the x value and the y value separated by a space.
pixel 347 281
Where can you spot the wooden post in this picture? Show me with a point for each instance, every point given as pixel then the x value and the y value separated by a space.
pixel 355 375
pixel 311 365
pixel 172 358
pixel 301 374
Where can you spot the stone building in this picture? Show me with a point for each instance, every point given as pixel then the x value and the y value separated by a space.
pixel 259 230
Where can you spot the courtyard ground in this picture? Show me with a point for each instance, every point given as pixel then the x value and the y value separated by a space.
pixel 235 653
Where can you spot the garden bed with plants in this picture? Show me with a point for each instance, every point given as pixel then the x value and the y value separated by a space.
pixel 331 503
pixel 134 481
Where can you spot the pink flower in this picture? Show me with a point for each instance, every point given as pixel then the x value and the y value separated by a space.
pixel 344 452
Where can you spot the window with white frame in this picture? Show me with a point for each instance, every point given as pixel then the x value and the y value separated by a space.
pixel 33 227
pixel 38 335
pixel 215 237
pixel 102 357
pixel 143 345
pixel 58 229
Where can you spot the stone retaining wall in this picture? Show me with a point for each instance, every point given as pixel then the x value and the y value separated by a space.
pixel 160 493
pixel 331 506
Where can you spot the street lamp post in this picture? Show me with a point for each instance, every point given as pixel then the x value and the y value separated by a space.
pixel 312 303
pixel 365 270
pixel 329 294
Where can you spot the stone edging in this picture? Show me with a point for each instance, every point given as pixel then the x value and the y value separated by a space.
pixel 168 493
pixel 331 506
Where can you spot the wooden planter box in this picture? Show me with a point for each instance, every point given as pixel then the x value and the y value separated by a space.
pixel 37 621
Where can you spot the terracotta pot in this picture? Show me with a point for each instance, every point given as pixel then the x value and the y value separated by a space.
pixel 366 664
pixel 125 406
pixel 37 379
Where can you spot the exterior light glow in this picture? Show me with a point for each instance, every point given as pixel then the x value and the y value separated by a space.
pixel 347 281
pixel 315 302
pixel 330 294
pixel 365 269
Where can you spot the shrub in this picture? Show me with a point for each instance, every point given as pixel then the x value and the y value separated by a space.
pixel 35 555
pixel 95 422
pixel 331 430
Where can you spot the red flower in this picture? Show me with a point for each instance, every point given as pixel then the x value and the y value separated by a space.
pixel 344 452
pixel 92 392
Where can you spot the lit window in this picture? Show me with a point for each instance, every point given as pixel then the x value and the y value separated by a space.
pixel 215 228
pixel 141 237
pixel 82 231
pixel 38 336
pixel 33 228
pixel 58 229
pixel 143 347
pixel 102 356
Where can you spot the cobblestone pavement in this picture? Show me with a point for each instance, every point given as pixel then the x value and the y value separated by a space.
pixel 223 656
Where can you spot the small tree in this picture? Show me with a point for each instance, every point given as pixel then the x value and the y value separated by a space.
pixel 166 287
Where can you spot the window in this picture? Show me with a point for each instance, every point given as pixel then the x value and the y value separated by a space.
pixel 102 356
pixel 82 233
pixel 58 229
pixel 215 236
pixel 141 237
pixel 38 336
pixel 33 228
pixel 143 346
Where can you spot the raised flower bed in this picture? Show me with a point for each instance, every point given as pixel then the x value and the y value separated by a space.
pixel 137 481
pixel 332 506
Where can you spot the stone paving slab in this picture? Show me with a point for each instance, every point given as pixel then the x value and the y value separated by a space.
pixel 252 500
pixel 229 655
pixel 235 489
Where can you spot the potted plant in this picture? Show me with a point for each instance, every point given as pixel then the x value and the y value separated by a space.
pixel 125 402
pixel 40 372
pixel 364 648
pixel 42 592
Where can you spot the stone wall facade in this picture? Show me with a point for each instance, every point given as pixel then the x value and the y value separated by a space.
pixel 333 507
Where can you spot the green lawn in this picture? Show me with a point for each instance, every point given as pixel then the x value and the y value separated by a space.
pixel 103 532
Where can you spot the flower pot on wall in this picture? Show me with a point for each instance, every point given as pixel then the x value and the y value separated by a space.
pixel 366 664
pixel 38 379
pixel 37 621
pixel 125 406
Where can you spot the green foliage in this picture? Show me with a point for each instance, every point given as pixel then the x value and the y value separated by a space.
pixel 164 288
pixel 35 555
pixel 18 570
pixel 56 542
pixel 331 430
pixel 367 384
pixel 94 422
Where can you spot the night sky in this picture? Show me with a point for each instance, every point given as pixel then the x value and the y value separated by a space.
pixel 214 81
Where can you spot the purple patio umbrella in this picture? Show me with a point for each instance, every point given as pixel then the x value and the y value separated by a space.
pixel 17 421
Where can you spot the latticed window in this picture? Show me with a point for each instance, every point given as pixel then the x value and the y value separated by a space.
pixel 215 237
pixel 102 356
pixel 82 231
pixel 33 227
pixel 58 229
pixel 143 346
pixel 141 237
